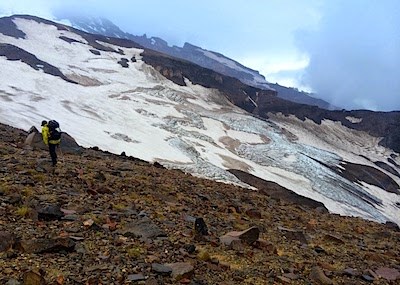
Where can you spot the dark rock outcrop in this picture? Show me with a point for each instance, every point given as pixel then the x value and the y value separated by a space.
pixel 15 53
pixel 357 172
pixel 276 191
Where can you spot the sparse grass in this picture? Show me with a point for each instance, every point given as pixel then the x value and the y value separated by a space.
pixel 23 211
pixel 27 191
pixel 119 207
pixel 56 275
pixel 5 188
pixel 39 177
pixel 135 252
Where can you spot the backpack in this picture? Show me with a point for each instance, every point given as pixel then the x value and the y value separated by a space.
pixel 54 130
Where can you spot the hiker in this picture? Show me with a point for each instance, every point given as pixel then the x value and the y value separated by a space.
pixel 51 134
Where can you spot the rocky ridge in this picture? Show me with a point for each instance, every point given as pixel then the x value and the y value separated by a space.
pixel 100 218
pixel 199 56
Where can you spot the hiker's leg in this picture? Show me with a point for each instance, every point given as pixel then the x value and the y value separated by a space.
pixel 53 154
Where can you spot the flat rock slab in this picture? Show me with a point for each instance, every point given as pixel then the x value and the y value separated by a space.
pixel 181 270
pixel 136 277
pixel 293 234
pixel 144 228
pixel 46 245
pixel 248 236
pixel 161 269
pixel 390 274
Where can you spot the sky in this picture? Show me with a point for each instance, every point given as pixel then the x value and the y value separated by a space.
pixel 347 52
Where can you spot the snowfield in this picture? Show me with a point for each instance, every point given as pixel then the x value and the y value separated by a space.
pixel 193 128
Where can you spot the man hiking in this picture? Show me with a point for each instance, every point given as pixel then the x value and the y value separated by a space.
pixel 51 134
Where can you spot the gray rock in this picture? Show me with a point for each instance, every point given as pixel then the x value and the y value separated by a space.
pixel 136 277
pixel 144 228
pixel 13 282
pixel 292 234
pixel 49 213
pixel 161 269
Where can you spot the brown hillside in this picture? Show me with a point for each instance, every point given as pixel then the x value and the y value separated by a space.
pixel 100 218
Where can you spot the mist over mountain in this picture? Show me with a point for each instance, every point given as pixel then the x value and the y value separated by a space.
pixel 354 61
pixel 205 58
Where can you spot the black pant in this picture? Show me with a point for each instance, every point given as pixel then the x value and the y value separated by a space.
pixel 53 153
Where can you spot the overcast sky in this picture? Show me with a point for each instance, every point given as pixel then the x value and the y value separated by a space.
pixel 346 51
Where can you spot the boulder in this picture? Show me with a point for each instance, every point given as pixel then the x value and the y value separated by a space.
pixel 143 228
pixel 34 140
pixel 50 213
pixel 292 234
pixel 181 270
pixel 46 245
pixel 248 236
pixel 390 274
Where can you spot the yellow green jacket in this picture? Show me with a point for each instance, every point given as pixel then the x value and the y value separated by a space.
pixel 46 135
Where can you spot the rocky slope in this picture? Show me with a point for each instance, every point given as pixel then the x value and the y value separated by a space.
pixel 100 218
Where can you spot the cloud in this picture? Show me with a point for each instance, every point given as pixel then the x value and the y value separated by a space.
pixel 355 54
pixel 41 8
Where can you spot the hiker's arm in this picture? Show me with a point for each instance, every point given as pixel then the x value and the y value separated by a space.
pixel 45 135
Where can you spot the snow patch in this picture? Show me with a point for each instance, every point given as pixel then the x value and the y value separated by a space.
pixel 354 120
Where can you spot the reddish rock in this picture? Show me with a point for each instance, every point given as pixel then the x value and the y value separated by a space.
pixel 387 273
pixel 253 213
pixel 248 236
pixel 181 270
pixel 46 245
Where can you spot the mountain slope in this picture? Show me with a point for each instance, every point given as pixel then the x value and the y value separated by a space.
pixel 205 58
pixel 108 219
pixel 116 95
